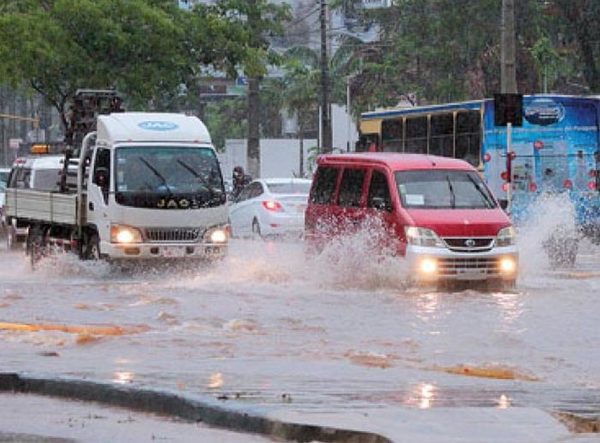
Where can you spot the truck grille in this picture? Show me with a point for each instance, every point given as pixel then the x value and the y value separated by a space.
pixel 469 244
pixel 455 266
pixel 160 235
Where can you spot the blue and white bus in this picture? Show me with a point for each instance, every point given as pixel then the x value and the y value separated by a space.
pixel 557 148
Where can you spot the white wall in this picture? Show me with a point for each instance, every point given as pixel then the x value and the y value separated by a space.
pixel 278 157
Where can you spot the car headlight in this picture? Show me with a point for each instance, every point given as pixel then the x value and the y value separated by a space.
pixel 422 237
pixel 506 236
pixel 218 234
pixel 125 234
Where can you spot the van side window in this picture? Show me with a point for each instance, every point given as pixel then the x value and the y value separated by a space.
pixel 351 187
pixel 324 185
pixel 379 193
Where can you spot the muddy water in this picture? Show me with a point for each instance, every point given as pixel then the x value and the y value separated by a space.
pixel 269 326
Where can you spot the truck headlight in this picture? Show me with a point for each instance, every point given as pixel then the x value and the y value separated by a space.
pixel 218 234
pixel 125 234
pixel 422 237
pixel 506 236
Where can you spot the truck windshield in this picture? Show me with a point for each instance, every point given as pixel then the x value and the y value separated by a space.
pixel 168 177
pixel 443 189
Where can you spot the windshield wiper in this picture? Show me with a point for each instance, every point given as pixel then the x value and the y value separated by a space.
pixel 197 175
pixel 452 196
pixel 155 171
pixel 486 197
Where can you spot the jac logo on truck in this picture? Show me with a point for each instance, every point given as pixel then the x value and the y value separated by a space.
pixel 158 125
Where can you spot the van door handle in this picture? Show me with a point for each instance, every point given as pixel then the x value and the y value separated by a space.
pixel 91 206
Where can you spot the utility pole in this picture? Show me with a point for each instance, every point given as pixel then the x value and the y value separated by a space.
pixel 326 135
pixel 253 152
pixel 508 75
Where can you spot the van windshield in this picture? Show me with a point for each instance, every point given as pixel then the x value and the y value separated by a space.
pixel 443 189
pixel 168 177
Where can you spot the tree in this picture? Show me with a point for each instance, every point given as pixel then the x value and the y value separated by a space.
pixel 577 23
pixel 257 20
pixel 301 93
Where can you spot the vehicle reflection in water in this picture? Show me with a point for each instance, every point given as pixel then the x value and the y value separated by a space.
pixel 511 307
pixel 215 381
pixel 504 402
pixel 427 309
pixel 123 378
pixel 422 396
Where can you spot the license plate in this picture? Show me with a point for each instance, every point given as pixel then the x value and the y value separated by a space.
pixel 471 274
pixel 173 251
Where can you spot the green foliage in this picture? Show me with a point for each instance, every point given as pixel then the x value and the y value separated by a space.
pixel 226 119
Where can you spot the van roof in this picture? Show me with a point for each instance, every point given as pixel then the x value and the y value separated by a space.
pixel 395 161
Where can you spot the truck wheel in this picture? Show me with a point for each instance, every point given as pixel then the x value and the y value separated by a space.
pixel 92 248
pixel 35 245
pixel 11 239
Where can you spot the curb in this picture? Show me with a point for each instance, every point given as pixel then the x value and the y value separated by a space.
pixel 165 403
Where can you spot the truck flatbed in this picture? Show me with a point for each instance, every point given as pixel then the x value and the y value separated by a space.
pixel 43 206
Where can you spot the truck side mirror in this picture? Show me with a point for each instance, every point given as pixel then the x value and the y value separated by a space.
pixel 101 177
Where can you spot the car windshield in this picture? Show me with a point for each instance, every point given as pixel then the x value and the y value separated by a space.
pixel 146 175
pixel 289 187
pixel 443 189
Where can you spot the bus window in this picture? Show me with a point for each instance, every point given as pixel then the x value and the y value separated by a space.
pixel 468 136
pixel 391 135
pixel 416 135
pixel 366 141
pixel 442 135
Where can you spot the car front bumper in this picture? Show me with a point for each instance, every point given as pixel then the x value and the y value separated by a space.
pixel 157 251
pixel 427 264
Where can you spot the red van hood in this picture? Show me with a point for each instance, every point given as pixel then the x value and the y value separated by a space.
pixel 461 222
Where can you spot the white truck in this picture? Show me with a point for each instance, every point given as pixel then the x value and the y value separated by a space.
pixel 148 186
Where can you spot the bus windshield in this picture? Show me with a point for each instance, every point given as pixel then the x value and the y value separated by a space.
pixel 168 177
pixel 443 189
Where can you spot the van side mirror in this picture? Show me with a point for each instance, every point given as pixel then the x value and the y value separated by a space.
pixel 381 204
pixel 503 203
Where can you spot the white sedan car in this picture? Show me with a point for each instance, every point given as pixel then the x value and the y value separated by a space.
pixel 270 207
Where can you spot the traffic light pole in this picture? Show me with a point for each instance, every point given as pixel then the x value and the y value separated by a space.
pixel 509 160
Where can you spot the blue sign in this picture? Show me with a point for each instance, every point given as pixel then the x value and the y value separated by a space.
pixel 158 125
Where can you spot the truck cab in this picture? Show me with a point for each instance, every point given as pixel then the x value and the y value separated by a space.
pixel 141 186
pixel 155 188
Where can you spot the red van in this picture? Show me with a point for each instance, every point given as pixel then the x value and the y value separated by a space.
pixel 435 211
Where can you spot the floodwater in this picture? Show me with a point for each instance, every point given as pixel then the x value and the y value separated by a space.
pixel 269 326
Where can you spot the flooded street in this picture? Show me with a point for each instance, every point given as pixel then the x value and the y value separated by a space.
pixel 270 329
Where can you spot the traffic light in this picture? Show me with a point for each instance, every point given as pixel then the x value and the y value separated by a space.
pixel 508 108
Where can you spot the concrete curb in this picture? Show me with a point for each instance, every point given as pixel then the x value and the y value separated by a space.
pixel 174 405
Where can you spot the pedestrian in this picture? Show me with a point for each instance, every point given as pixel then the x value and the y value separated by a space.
pixel 239 181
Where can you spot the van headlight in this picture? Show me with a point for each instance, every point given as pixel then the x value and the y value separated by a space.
pixel 422 237
pixel 125 234
pixel 218 234
pixel 506 237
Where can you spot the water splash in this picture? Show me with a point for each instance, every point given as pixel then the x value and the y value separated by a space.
pixel 546 215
